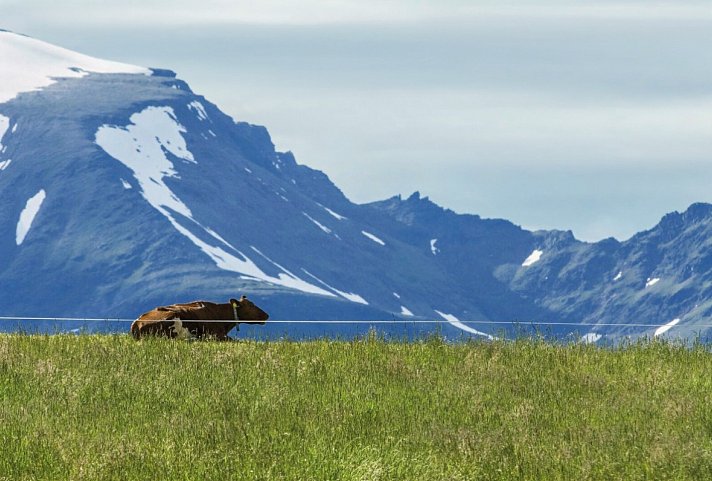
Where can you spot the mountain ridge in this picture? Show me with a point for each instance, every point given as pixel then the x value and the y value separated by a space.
pixel 152 195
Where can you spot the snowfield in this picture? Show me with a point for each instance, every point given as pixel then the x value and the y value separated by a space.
pixel 37 64
pixel 141 147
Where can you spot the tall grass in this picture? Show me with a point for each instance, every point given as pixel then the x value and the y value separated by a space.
pixel 108 407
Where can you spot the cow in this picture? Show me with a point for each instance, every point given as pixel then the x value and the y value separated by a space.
pixel 198 319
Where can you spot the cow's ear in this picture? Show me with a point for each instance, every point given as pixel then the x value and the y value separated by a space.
pixel 234 302
pixel 243 298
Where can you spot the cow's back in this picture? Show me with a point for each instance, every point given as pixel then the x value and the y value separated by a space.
pixel 150 323
pixel 154 321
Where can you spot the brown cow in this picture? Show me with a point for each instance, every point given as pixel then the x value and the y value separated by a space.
pixel 197 319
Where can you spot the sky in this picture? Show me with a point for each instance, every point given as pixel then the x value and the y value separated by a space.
pixel 594 117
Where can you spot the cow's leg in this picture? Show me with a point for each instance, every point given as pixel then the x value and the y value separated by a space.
pixel 157 328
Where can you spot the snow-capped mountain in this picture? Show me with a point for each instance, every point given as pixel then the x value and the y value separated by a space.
pixel 122 190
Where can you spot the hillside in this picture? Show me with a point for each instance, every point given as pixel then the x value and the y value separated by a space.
pixel 108 407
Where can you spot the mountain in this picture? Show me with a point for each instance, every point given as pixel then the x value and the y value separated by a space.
pixel 123 190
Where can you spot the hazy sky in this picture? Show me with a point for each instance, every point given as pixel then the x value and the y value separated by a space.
pixel 590 116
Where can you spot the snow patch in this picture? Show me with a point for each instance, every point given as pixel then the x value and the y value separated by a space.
pixel 663 329
pixel 199 109
pixel 533 258
pixel 652 281
pixel 349 296
pixel 126 185
pixel 406 312
pixel 34 64
pixel 243 264
pixel 216 236
pixel 433 248
pixel 28 214
pixel 373 237
pixel 460 325
pixel 4 125
pixel 396 295
pixel 141 146
pixel 591 338
pixel 321 226
pixel 618 276
pixel 334 214
pixel 5 164
pixel 248 170
pixel 301 285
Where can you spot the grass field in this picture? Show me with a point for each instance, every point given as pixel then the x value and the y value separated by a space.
pixel 108 407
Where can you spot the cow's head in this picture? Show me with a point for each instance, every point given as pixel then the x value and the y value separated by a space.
pixel 248 312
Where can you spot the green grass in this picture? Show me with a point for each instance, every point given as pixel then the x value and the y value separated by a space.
pixel 108 407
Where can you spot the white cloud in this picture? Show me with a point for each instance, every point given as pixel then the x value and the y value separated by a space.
pixel 192 12
pixel 321 12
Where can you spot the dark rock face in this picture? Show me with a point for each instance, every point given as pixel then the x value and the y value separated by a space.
pixel 153 196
